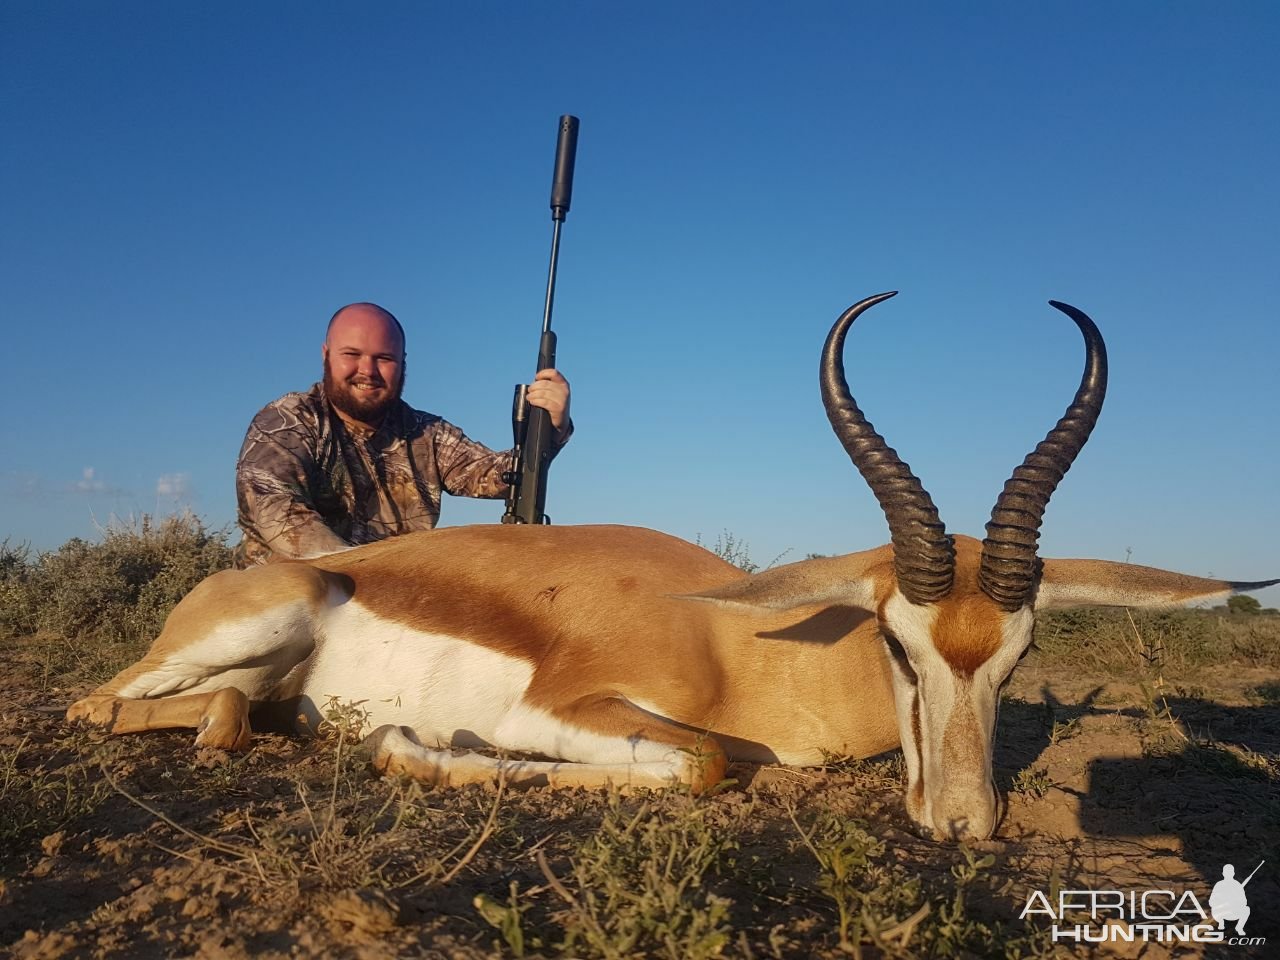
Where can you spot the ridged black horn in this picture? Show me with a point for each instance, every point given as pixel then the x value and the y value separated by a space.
pixel 924 556
pixel 1009 551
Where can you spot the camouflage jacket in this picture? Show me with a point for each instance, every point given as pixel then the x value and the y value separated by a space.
pixel 309 483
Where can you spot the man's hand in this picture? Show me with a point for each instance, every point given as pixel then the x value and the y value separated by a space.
pixel 550 391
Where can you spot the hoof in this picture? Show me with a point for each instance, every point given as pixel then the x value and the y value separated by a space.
pixel 97 710
pixel 386 745
pixel 234 737
pixel 225 725
pixel 397 752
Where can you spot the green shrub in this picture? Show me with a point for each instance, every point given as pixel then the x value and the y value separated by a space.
pixel 1122 642
pixel 88 600
pixel 1245 605
pixel 642 884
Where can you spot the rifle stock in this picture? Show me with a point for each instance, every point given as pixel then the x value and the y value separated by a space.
pixel 531 426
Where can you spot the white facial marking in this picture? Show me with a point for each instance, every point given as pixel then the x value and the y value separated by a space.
pixel 1015 636
pixel 912 626
pixel 906 701
pixel 949 770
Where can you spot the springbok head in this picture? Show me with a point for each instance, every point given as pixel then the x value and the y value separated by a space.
pixel 956 615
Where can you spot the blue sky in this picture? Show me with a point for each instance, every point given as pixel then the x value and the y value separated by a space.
pixel 190 190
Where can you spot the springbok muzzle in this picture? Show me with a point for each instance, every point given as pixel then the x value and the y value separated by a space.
pixel 964 798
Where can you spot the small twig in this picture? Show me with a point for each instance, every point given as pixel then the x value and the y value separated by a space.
pixel 554 882
pixel 197 837
pixel 248 825
pixel 199 862
pixel 489 826
pixel 902 931
pixel 1136 654
pixel 563 893
pixel 539 844
pixel 337 773
pixel 414 878
pixel 806 838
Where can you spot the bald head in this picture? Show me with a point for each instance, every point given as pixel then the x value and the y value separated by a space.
pixel 368 319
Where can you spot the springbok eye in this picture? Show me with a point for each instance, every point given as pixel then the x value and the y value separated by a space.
pixel 895 648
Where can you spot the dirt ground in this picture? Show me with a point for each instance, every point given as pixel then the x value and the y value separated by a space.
pixel 146 847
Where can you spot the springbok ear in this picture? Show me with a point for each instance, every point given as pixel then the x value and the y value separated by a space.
pixel 1101 583
pixel 850 580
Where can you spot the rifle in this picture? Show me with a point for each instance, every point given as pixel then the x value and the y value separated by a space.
pixel 531 426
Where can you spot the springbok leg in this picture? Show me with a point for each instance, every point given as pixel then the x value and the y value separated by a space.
pixel 230 640
pixel 616 744
pixel 221 718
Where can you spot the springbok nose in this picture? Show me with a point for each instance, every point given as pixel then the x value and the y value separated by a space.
pixel 962 828
pixel 967 816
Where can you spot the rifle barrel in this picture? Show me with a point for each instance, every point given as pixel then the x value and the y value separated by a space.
pixel 551 276
pixel 561 197
pixel 526 501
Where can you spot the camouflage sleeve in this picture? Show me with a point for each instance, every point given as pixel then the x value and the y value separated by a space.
pixel 275 489
pixel 467 468
pixel 470 469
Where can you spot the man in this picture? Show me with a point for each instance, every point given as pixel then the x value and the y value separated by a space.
pixel 349 462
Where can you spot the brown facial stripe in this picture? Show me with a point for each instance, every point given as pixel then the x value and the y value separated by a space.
pixel 967 632
pixel 963 746
pixel 915 726
pixel 915 801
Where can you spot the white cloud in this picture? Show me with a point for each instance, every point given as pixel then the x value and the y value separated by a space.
pixel 88 483
pixel 175 485
pixel 33 486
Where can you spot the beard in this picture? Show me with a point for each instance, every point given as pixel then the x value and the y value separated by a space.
pixel 354 404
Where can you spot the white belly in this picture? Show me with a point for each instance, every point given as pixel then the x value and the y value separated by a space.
pixel 448 690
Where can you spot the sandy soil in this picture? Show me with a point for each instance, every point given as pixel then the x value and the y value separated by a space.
pixel 196 854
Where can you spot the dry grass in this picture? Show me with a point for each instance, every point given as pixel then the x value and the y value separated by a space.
pixel 87 609
pixel 1122 643
pixel 143 847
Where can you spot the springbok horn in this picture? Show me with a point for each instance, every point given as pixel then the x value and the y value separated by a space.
pixel 924 556
pixel 1009 551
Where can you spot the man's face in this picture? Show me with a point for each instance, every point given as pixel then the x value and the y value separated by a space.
pixel 363 364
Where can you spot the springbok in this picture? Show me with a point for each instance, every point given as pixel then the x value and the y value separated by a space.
pixel 582 644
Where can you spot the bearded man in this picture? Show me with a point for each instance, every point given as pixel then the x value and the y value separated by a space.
pixel 349 462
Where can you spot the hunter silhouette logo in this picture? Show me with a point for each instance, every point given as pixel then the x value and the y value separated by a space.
pixel 1228 900
pixel 1142 916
